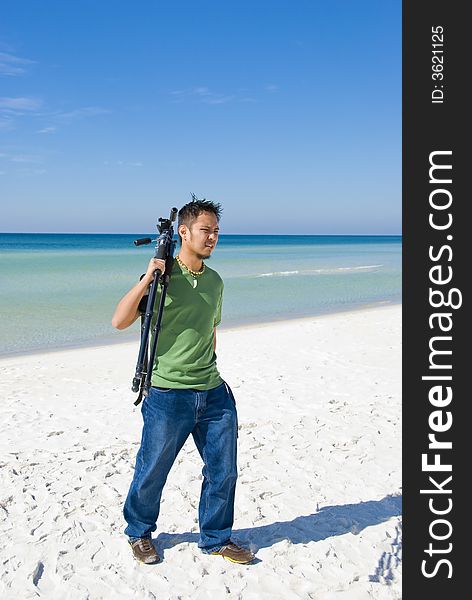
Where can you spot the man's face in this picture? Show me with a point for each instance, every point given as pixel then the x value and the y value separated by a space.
pixel 202 236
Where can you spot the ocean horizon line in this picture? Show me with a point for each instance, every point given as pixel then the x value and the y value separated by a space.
pixel 241 234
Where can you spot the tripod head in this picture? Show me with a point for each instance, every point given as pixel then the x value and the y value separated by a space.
pixel 163 226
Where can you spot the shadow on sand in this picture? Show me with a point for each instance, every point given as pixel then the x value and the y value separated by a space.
pixel 327 522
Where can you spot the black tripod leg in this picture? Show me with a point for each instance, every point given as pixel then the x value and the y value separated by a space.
pixel 155 338
pixel 145 361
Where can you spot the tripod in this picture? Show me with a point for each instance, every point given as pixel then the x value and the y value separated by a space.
pixel 165 246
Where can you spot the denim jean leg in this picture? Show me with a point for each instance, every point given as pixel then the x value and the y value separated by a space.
pixel 168 420
pixel 215 436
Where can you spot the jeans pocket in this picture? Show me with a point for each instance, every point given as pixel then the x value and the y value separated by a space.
pixel 233 400
pixel 230 393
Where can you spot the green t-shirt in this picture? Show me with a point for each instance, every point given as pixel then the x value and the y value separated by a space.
pixel 185 356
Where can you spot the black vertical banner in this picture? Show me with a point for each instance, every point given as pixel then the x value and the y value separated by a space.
pixel 436 323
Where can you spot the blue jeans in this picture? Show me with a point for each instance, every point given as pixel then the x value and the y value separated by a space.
pixel 170 416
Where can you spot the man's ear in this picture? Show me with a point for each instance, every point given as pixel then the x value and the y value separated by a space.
pixel 183 229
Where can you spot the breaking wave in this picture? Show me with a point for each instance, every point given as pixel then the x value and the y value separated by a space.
pixel 320 271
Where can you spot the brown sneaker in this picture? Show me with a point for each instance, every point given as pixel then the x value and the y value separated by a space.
pixel 144 551
pixel 236 554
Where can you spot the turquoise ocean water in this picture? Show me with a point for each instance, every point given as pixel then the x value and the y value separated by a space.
pixel 59 290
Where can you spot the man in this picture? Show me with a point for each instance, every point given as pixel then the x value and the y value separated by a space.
pixel 187 395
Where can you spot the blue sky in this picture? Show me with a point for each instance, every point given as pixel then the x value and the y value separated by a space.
pixel 286 112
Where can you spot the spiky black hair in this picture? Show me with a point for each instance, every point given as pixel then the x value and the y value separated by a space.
pixel 193 209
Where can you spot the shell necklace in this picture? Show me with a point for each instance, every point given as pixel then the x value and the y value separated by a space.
pixel 194 274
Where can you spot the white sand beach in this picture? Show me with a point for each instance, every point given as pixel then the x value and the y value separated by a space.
pixel 319 488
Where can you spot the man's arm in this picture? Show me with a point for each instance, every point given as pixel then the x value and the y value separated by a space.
pixel 126 311
pixel 214 339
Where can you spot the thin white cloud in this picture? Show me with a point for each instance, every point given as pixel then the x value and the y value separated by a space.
pixel 12 65
pixel 25 158
pixel 19 103
pixel 21 164
pixel 202 94
pixel 200 91
pixel 218 99
pixel 78 113
pixel 47 130
pixel 15 108
pixel 21 158
pixel 29 172
pixel 122 163
pixel 6 124
pixel 12 109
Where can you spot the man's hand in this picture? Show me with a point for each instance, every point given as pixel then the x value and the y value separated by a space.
pixel 126 312
pixel 154 263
